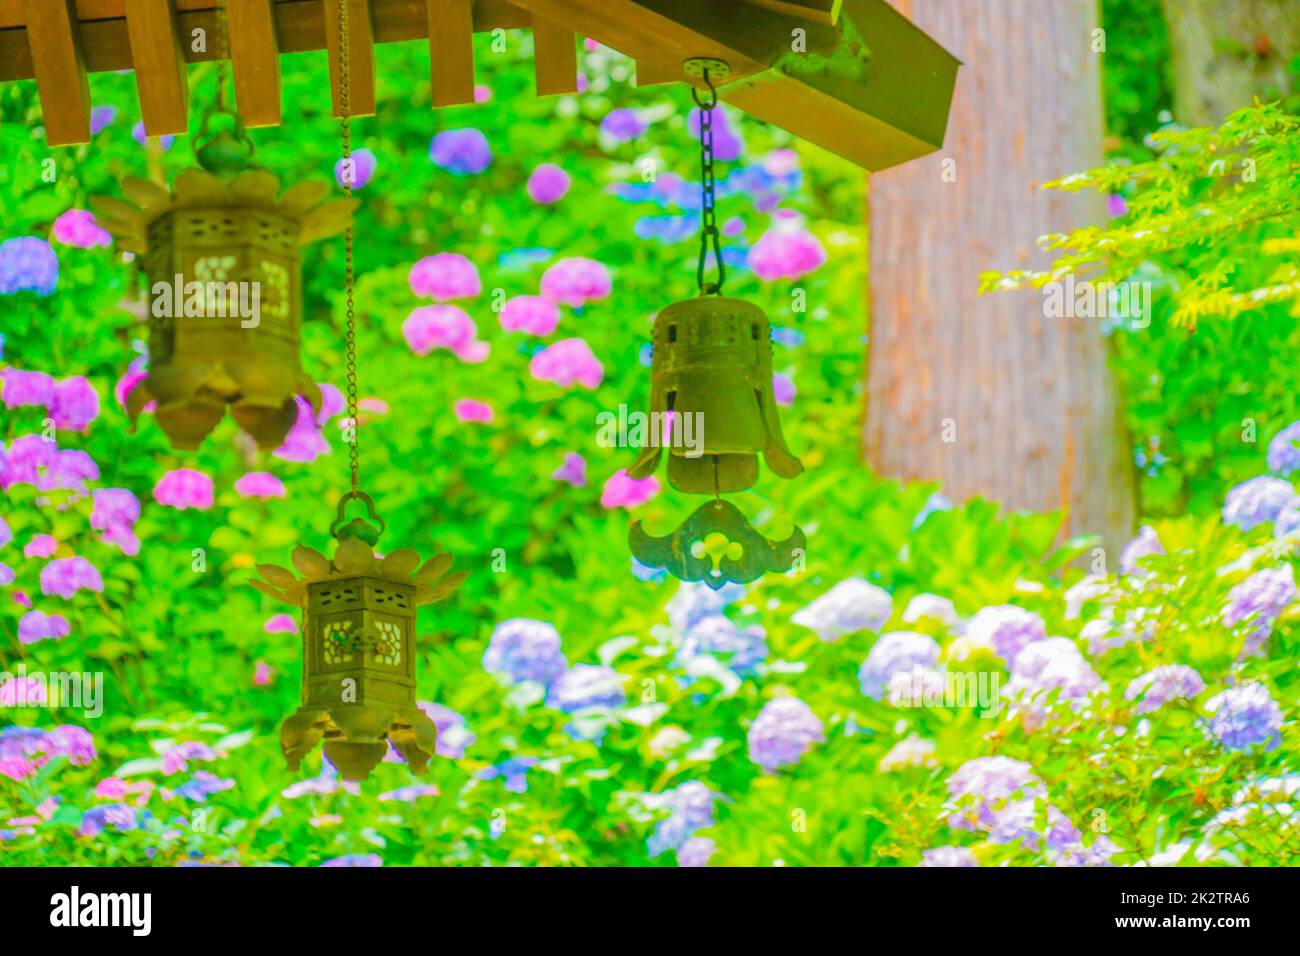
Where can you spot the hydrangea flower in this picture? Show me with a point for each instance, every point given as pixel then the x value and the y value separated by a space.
pixel 933 607
pixel 783 389
pixel 1091 587
pixel 573 470
pixel 462 152
pixel 786 254
pixel 361 170
pixel 101 117
pixel 696 852
pixel 1261 599
pixel 33 460
pixel 695 602
pixel 116 815
pixel 19 388
pixel 743 650
pixel 567 362
pixel 355 860
pixel 622 125
pixel 259 484
pixel 280 624
pixel 202 785
pixel 1147 542
pixel 575 281
pixel 184 488
pixel 1006 629
pixel 1160 685
pixel 454 737
pixel 472 410
pixel 75 404
pixel 525 649
pixel 66 576
pixel 514 773
pixel 445 276
pixel 586 685
pixel 691 809
pixel 306 439
pixel 1052 664
pixel 990 782
pixel 448 327
pixel 622 491
pixel 1284 450
pixel 897 652
pixel 531 314
pixel 784 730
pixel 263 673
pixel 727 144
pixel 948 856
pixel 852 605
pixel 1244 716
pixel 28 264
pixel 141 136
pixel 40 546
pixel 77 227
pixel 1258 501
pixel 548 184
pixel 909 752
pixel 38 626
pixel 175 759
pixel 115 512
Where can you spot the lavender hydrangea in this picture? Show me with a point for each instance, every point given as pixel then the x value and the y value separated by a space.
pixel 462 152
pixel 1258 501
pixel 1052 664
pixel 1284 450
pixel 980 786
pixel 28 264
pixel 935 608
pixel 784 730
pixel 1006 629
pixel 1261 599
pixel 1146 543
pixel 1161 685
pixel 696 602
pixel 454 737
pixel 1245 715
pixel 897 652
pixel 690 809
pixel 742 649
pixel 852 605
pixel 696 852
pixel 946 856
pixel 524 649
pixel 586 685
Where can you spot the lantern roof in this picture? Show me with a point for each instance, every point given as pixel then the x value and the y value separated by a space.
pixel 853 76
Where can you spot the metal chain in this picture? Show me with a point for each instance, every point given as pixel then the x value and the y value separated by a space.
pixel 708 219
pixel 345 122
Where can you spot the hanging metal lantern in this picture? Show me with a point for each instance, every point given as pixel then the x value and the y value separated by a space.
pixel 222 253
pixel 711 382
pixel 358 646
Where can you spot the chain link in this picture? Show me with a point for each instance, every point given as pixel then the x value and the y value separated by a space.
pixel 345 123
pixel 708 218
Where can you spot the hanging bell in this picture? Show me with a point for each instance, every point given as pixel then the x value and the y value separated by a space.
pixel 712 370
pixel 358 640
pixel 222 252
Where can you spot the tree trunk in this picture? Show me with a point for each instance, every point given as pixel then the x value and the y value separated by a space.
pixel 985 393
pixel 1225 52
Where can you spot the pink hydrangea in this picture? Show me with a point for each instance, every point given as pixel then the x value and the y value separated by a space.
pixel 40 546
pixel 783 389
pixel 567 362
pixel 66 576
pixel 573 470
pixel 115 513
pixel 445 276
pixel 472 410
pixel 576 281
pixel 306 439
pixel 77 227
pixel 23 692
pixel 448 327
pixel 33 460
pixel 622 491
pixel 38 626
pixel 75 404
pixel 280 624
pixel 533 314
pixel 548 184
pixel 260 484
pixel 786 254
pixel 184 488
pixel 19 388
pixel 176 759
pixel 135 373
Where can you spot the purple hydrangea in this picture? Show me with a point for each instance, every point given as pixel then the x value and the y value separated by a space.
pixel 361 170
pixel 19 388
pixel 531 314
pixel 567 362
pixel 1258 501
pixel 575 281
pixel 1053 663
pixel 119 816
pixel 572 471
pixel 743 650
pixel 852 605
pixel 1006 629
pixel 1246 715
pixel 622 125
pixel 203 785
pixel 102 117
pixel 1147 542
pixel 727 144
pixel 1261 599
pixel 691 809
pixel 524 649
pixel 355 860
pixel 115 513
pixel 445 276
pixel 957 856
pixel 784 730
pixel 462 152
pixel 933 607
pixel 75 404
pixel 28 264
pixel 548 184
pixel 448 327
pixel 38 626
pixel 586 685
pixel 513 773
pixel 786 254
pixel 1161 685
pixel 77 227
pixel 66 576
pixel 1284 450
pixel 454 737
pixel 184 488
pixel 895 653
pixel 696 852
pixel 987 783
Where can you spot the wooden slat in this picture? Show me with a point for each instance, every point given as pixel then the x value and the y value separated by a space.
pixel 819 11
pixel 451 51
pixel 157 51
pixel 361 53
pixel 54 37
pixel 555 58
pixel 255 61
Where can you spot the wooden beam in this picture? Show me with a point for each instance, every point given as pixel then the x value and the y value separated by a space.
pixel 821 11
pixel 361 54
pixel 158 52
pixel 255 61
pixel 555 57
pixel 54 37
pixel 451 51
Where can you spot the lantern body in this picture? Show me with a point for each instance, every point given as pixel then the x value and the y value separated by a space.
pixel 224 265
pixel 712 369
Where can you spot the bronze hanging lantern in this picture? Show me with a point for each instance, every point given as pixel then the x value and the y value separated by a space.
pixel 711 383
pixel 358 646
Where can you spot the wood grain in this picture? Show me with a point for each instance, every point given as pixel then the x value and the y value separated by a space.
pixel 54 39
pixel 158 53
pixel 255 60
pixel 451 51
pixel 555 57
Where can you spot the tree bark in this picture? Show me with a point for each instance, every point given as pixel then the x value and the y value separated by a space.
pixel 1225 52
pixel 985 393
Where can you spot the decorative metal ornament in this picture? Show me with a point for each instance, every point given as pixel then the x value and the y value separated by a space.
pixel 711 389
pixel 358 646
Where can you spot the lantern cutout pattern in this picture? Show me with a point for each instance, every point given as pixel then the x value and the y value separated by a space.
pixel 712 404
pixel 358 636
pixel 208 247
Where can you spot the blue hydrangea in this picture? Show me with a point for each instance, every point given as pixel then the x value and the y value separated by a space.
pixel 741 649
pixel 694 602
pixel 1258 501
pixel 1146 543
pixel 1246 715
pixel 691 809
pixel 586 685
pixel 1006 630
pixel 28 264
pixel 1160 685
pixel 513 772
pixel 784 730
pixel 524 649
pixel 1261 599
pixel 643 572
pixel 202 785
pixel 1284 450
pixel 462 152
pixel 897 652
pixel 696 852
pixel 1288 524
